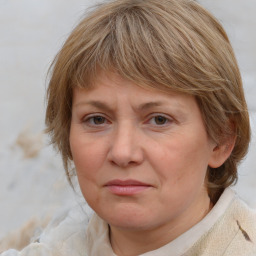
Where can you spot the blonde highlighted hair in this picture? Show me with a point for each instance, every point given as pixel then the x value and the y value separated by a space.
pixel 173 45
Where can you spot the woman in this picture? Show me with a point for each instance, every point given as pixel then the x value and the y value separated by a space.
pixel 146 100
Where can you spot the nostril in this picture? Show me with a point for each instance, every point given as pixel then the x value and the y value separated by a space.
pixel 124 164
pixel 124 148
pixel 129 160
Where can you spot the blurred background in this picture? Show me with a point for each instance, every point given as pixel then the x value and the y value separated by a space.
pixel 32 179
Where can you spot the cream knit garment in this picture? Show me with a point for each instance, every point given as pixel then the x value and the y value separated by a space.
pixel 228 230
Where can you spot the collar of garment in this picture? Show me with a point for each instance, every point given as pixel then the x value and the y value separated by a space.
pixel 97 235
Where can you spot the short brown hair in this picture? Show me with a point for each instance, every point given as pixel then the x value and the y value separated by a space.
pixel 167 44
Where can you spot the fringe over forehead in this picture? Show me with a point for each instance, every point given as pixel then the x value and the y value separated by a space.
pixel 153 43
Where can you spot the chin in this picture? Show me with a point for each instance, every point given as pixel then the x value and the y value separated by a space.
pixel 130 218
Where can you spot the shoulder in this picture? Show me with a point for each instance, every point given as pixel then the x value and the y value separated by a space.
pixel 236 229
pixel 233 231
pixel 64 236
pixel 242 221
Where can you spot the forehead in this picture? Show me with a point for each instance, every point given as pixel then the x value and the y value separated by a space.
pixel 112 80
pixel 112 90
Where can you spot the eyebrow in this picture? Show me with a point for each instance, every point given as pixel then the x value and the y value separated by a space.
pixel 102 105
pixel 149 105
pixel 97 104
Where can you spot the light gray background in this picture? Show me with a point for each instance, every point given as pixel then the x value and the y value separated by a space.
pixel 32 180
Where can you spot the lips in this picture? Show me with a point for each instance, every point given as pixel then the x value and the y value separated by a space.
pixel 126 187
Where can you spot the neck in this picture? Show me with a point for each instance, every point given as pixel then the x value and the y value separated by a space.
pixel 127 242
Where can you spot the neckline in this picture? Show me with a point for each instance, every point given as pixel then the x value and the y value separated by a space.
pixel 98 242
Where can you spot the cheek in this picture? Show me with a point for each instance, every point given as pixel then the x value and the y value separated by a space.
pixel 183 161
pixel 86 155
pixel 87 162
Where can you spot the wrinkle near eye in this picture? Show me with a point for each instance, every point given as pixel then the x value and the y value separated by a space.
pixel 95 121
pixel 159 120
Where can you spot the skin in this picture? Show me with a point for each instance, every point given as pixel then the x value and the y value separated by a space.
pixel 122 131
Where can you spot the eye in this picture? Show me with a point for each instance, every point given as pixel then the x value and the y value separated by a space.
pixel 159 120
pixel 96 120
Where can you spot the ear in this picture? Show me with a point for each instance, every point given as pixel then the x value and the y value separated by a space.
pixel 221 152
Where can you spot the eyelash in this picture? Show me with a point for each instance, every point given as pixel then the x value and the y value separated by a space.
pixel 91 120
pixel 167 120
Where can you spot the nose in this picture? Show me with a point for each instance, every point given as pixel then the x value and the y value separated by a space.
pixel 126 147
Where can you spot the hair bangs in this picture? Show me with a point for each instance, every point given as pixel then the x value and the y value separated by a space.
pixel 134 44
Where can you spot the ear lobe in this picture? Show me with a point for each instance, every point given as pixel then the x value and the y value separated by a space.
pixel 221 153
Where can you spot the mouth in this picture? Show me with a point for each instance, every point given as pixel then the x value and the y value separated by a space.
pixel 126 187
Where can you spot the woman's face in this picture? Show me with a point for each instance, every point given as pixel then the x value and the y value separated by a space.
pixel 141 155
